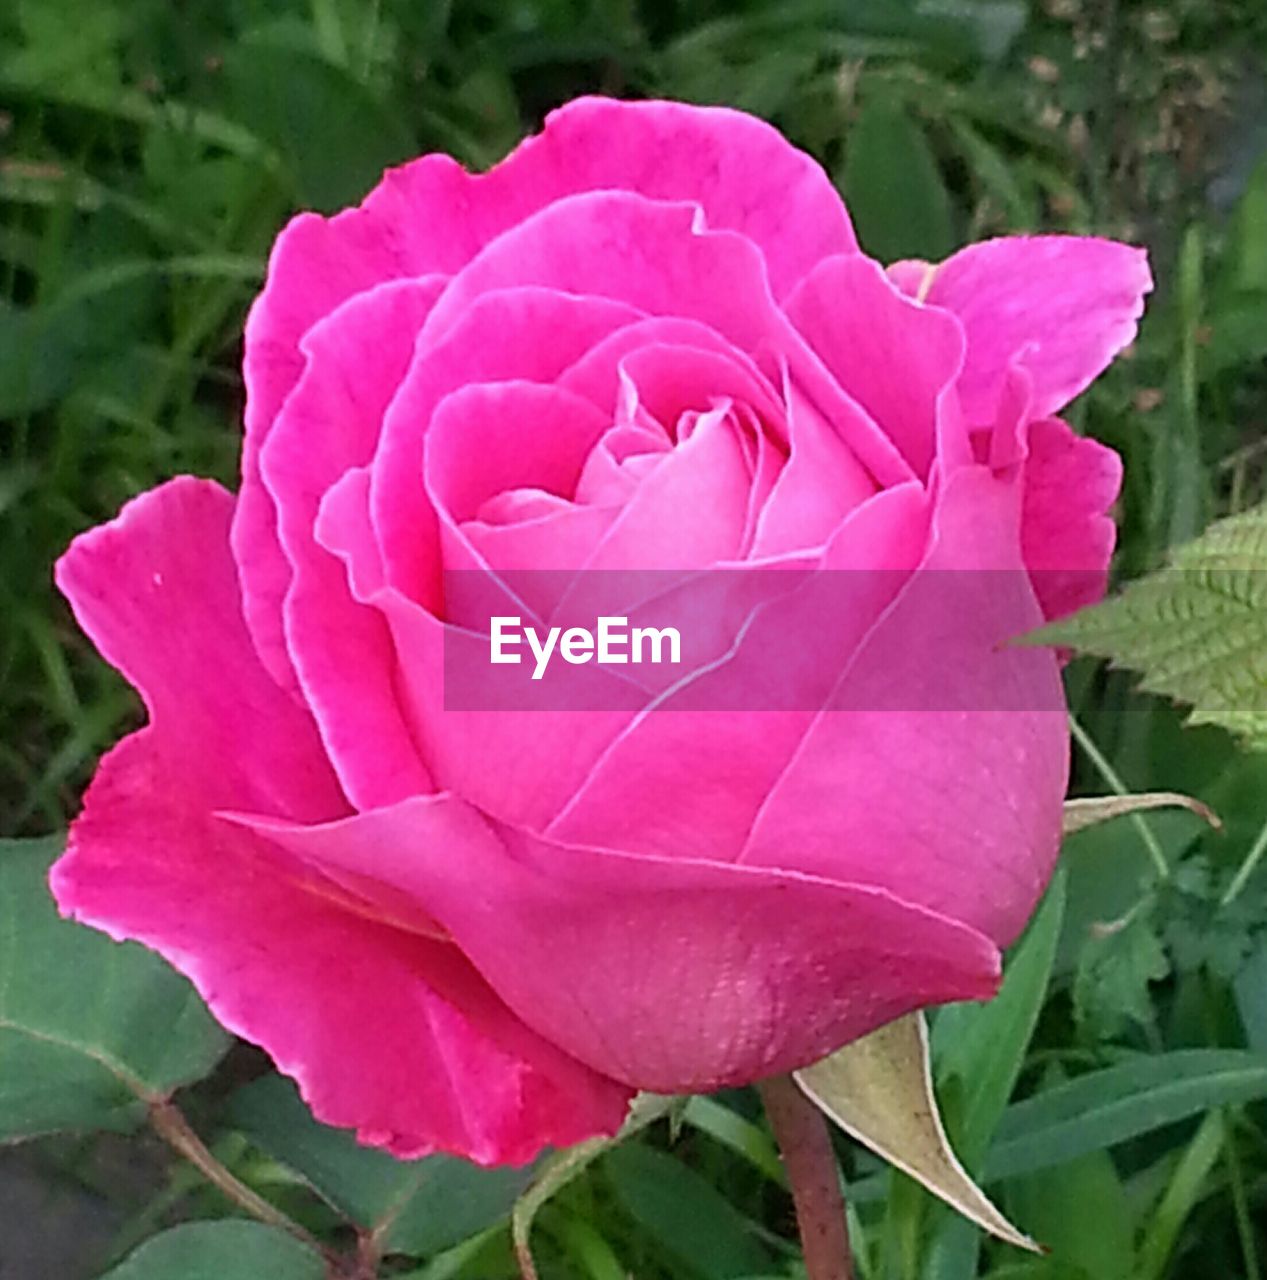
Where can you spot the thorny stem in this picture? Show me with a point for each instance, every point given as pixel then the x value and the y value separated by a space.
pixel 805 1143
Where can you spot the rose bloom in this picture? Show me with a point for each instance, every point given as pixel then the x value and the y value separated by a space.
pixel 646 340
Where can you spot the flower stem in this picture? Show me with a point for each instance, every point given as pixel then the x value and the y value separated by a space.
pixel 805 1143
pixel 170 1123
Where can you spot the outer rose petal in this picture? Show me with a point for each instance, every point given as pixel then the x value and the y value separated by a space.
pixel 949 749
pixel 1063 305
pixel 282 955
pixel 341 651
pixel 156 592
pixel 1066 534
pixel 673 976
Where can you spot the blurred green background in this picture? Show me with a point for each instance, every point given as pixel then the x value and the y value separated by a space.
pixel 151 149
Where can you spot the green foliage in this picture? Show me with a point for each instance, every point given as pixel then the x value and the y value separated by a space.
pixel 418 1207
pixel 702 1232
pixel 1197 629
pixel 91 1031
pixel 221 1251
pixel 1117 1103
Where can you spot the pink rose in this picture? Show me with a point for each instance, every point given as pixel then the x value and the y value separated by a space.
pixel 646 340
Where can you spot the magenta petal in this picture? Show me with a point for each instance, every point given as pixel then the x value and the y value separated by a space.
pixel 528 334
pixel 821 483
pixel 685 360
pixel 944 747
pixel 490 437
pixel 330 423
pixel 689 511
pixel 283 956
pixel 1066 532
pixel 897 359
pixel 674 976
pixel 688 778
pixel 156 592
pixel 628 249
pixel 743 174
pixel 1062 305
pixel 388 1031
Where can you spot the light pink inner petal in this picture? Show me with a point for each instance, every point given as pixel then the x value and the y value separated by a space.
pixel 529 334
pixel 822 482
pixel 597 373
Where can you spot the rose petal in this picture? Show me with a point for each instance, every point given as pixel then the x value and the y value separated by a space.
pixel 527 334
pixel 687 777
pixel 674 976
pixel 340 650
pixel 280 954
pixel 897 359
pixel 1063 305
pixel 822 482
pixel 948 749
pixel 1066 534
pixel 156 591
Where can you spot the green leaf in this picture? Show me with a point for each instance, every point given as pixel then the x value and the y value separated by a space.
pixel 984 1044
pixel 894 188
pixel 703 1231
pixel 980 1050
pixel 1115 973
pixel 1058 1204
pixel 1186 1187
pixel 90 1030
pixel 416 1207
pixel 1250 989
pixel 556 1171
pixel 1196 630
pixel 228 1250
pixel 1110 1106
pixel 333 135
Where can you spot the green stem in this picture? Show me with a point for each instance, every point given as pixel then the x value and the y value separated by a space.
pixel 805 1143
pixel 170 1124
pixel 1118 787
pixel 1247 869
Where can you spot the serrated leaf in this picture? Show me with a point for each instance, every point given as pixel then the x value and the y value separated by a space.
pixel 409 1206
pixel 91 1031
pixel 1082 813
pixel 228 1250
pixel 1196 631
pixel 880 1091
pixel 1115 971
